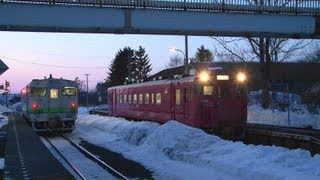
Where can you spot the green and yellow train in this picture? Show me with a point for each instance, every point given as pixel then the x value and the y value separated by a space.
pixel 50 104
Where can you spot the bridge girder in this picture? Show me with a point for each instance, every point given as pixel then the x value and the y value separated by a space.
pixel 58 18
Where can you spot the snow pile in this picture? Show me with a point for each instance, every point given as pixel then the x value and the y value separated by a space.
pixel 177 151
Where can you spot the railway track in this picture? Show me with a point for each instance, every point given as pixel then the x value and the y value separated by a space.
pixel 292 138
pixel 81 163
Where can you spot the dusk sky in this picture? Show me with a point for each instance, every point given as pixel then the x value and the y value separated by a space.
pixel 24 53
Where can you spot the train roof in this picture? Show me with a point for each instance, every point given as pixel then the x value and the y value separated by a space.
pixel 157 82
pixel 52 81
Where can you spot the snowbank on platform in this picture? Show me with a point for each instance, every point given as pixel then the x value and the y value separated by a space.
pixel 177 151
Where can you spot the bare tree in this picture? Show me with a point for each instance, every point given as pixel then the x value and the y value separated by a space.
pixel 265 50
pixel 313 56
pixel 175 61
pixel 80 83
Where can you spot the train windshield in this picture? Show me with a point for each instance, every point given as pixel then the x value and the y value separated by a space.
pixel 37 91
pixel 69 91
pixel 205 90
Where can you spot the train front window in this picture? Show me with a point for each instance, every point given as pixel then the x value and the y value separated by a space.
pixel 37 91
pixel 223 90
pixel 207 90
pixel 69 91
pixel 54 93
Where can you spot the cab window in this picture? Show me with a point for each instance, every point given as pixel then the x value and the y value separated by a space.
pixel 69 91
pixel 54 93
pixel 207 90
pixel 37 91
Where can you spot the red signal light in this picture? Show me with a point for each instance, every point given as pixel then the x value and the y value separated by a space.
pixel 35 105
pixel 73 105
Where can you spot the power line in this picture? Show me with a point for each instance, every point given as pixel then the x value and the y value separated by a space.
pixel 51 65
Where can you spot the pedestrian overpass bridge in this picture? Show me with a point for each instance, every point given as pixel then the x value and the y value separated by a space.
pixel 263 18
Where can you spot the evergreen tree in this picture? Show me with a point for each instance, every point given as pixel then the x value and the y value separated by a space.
pixel 140 66
pixel 203 55
pixel 102 87
pixel 118 70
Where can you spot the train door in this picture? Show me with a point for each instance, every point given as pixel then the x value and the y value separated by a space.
pixel 54 100
pixel 208 104
pixel 185 104
pixel 180 103
pixel 112 101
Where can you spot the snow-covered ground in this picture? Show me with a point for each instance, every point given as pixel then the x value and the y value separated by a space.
pixel 257 114
pixel 177 151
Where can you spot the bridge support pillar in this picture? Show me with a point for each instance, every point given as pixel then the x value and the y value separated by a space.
pixel 317 26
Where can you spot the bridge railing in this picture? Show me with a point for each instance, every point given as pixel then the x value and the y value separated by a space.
pixel 298 7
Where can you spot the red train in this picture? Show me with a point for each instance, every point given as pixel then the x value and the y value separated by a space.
pixel 212 100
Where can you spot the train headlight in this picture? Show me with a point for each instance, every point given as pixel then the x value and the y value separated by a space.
pixel 241 77
pixel 204 76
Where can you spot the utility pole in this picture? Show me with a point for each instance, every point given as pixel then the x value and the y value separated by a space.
pixel 87 89
pixel 186 55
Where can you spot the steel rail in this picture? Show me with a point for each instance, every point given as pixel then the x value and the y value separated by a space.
pixel 65 159
pixel 94 158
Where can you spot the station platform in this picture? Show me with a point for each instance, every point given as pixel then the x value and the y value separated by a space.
pixel 26 157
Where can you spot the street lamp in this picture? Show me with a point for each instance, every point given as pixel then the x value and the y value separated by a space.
pixel 184 58
pixel 87 89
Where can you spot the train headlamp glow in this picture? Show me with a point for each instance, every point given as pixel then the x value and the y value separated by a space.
pixel 35 105
pixel 204 76
pixel 241 77
pixel 222 77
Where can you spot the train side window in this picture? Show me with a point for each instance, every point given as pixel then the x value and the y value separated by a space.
pixel 129 98
pixel 120 98
pixel 54 93
pixel 152 98
pixel 37 91
pixel 140 98
pixel 178 96
pixel 158 98
pixel 135 98
pixel 125 98
pixel 146 98
pixel 69 91
pixel 207 90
